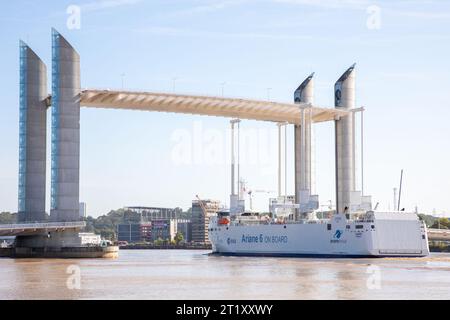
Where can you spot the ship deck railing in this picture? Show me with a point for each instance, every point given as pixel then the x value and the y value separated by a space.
pixel 244 222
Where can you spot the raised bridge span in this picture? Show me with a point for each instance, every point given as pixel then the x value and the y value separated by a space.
pixel 209 106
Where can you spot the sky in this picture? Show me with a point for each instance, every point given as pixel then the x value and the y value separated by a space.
pixel 261 49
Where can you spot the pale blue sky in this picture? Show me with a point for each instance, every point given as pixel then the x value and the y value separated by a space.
pixel 126 156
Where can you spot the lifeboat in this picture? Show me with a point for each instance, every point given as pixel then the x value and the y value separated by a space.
pixel 223 221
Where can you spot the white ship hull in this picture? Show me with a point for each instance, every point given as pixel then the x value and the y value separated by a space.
pixel 382 235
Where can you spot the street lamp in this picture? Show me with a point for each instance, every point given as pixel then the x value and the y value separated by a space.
pixel 174 80
pixel 268 93
pixel 122 76
pixel 223 87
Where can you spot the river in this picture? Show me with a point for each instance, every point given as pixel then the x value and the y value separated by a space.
pixel 193 274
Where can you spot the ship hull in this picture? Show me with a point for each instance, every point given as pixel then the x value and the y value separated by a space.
pixel 385 235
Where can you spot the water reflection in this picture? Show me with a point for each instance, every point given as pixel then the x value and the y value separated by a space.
pixel 40 279
pixel 304 285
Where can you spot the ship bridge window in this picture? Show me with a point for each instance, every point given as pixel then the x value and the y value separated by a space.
pixel 328 226
pixel 359 226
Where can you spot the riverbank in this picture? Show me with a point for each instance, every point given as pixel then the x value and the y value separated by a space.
pixel 439 247
pixel 6 252
pixel 149 246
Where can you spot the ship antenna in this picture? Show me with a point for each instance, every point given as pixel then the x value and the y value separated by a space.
pixel 400 190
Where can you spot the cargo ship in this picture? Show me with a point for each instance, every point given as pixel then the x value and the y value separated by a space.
pixel 373 234
pixel 293 228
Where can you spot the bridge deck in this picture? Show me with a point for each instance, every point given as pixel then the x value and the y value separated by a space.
pixel 23 229
pixel 204 105
pixel 438 234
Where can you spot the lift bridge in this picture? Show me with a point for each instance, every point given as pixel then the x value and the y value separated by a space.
pixel 67 98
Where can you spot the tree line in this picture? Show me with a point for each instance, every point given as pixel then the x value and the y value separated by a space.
pixel 105 225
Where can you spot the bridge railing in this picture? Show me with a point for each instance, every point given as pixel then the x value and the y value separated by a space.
pixel 43 225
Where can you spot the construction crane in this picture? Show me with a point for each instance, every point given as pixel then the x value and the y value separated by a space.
pixel 202 206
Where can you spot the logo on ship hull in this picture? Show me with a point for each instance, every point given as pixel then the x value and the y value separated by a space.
pixel 337 237
pixel 337 234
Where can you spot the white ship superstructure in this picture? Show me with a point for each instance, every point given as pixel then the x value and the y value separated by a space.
pixel 293 229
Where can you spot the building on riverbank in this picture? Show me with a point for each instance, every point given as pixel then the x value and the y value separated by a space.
pixel 185 228
pixel 200 219
pixel 154 213
pixel 134 232
pixel 155 229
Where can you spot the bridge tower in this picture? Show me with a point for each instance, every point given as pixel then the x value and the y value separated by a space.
pixel 304 178
pixel 65 152
pixel 344 95
pixel 32 136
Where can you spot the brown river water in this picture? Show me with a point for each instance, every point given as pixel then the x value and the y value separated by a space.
pixel 193 274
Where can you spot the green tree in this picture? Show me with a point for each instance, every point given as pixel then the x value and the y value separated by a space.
pixel 106 225
pixel 8 218
pixel 179 238
pixel 441 223
pixel 428 219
